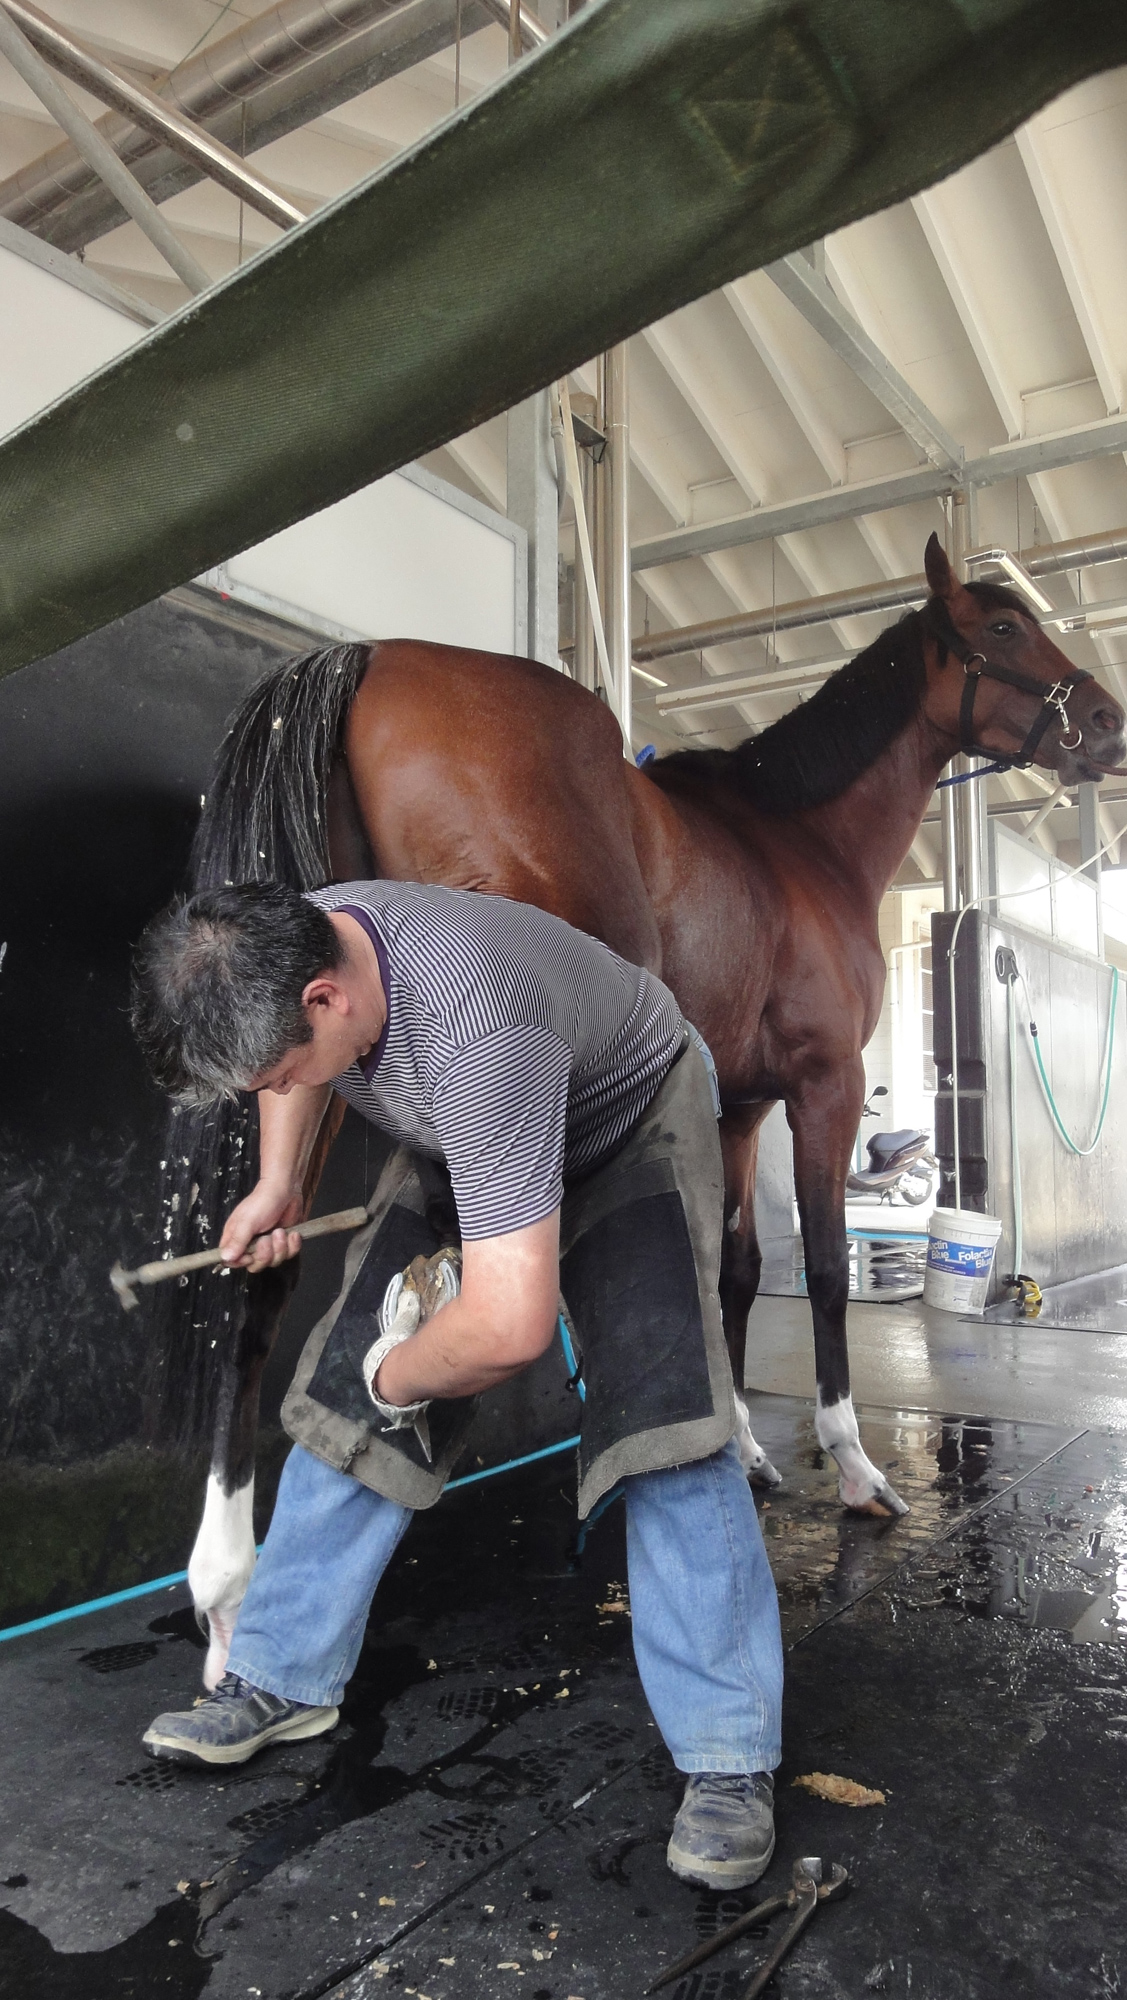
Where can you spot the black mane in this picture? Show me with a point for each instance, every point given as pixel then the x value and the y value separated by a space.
pixel 815 751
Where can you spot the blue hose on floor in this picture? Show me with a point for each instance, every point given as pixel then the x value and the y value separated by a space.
pixel 468 1479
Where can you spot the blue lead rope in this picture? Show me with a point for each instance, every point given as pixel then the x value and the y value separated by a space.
pixel 574 1367
pixel 575 1381
pixel 965 777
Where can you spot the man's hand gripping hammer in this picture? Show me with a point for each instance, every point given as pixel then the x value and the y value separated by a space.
pixel 202 1260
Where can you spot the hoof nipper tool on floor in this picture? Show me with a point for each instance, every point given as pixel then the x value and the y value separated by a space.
pixel 200 1260
pixel 809 1890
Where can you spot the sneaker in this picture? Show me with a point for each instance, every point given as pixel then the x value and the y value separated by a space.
pixel 724 1835
pixel 232 1724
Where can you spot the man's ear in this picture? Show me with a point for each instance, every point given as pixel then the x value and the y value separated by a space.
pixel 325 992
pixel 941 577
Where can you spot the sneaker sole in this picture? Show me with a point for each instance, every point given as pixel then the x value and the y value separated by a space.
pixel 177 1750
pixel 717 1874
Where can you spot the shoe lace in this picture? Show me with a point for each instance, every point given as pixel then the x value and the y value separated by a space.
pixel 729 1783
pixel 230 1688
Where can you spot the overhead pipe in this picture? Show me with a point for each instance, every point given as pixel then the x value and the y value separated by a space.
pixel 98 154
pixel 904 591
pixel 148 112
pixel 294 61
pixel 1056 558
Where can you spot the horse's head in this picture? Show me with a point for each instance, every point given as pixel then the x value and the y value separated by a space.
pixel 997 685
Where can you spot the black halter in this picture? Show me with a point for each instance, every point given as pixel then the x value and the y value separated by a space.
pixel 1054 699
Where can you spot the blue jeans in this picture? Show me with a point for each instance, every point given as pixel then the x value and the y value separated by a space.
pixel 705 1614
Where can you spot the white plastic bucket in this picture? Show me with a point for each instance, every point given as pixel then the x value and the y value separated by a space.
pixel 960 1252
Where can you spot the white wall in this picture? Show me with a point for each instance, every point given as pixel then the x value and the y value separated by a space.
pixel 409 558
pixel 51 336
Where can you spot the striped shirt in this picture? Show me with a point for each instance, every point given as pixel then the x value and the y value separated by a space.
pixel 520 1051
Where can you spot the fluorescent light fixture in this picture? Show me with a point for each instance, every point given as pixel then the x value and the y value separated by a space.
pixel 651 678
pixel 1017 573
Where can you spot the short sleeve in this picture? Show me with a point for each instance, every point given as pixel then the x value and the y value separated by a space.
pixel 500 1111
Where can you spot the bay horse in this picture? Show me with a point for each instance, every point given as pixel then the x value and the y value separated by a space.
pixel 749 880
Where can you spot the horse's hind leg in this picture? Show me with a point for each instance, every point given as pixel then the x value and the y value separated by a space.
pixel 741 1263
pixel 824 1120
pixel 223 1557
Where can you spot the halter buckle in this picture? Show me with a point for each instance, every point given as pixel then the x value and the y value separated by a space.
pixel 1057 697
pixel 974 673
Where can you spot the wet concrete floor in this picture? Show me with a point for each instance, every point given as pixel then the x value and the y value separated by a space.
pixel 1096 1304
pixel 490 1816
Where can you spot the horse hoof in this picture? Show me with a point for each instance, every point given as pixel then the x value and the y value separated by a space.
pixel 765 1475
pixel 884 1505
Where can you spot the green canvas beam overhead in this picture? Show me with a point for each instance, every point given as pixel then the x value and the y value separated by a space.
pixel 650 152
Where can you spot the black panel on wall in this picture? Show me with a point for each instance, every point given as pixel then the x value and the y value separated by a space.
pixel 104 751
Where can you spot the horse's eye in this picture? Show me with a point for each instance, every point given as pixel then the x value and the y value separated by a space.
pixel 1003 628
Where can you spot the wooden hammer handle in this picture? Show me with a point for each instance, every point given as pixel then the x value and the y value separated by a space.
pixel 199 1260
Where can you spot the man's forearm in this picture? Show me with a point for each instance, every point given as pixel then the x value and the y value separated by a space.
pixel 288 1128
pixel 452 1355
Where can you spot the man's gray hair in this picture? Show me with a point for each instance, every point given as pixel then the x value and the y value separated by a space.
pixel 217 986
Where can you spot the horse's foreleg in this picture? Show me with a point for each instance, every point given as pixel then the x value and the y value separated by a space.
pixel 223 1557
pixel 824 1120
pixel 224 1553
pixel 741 1263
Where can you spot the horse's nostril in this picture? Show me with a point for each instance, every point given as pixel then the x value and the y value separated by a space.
pixel 1109 720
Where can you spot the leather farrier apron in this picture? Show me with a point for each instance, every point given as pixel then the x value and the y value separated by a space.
pixel 639 1269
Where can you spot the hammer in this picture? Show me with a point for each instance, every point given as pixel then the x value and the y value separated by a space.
pixel 201 1260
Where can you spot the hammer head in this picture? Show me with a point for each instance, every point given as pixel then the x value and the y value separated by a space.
pixel 119 1279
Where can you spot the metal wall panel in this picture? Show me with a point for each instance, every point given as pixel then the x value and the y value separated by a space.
pixel 1074 1210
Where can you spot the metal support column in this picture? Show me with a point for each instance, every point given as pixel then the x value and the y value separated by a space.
pixel 1088 801
pixel 969 873
pixel 616 410
pixel 98 154
pixel 586 659
pixel 949 841
pixel 533 502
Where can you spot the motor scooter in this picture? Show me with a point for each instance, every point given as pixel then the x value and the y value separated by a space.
pixel 901 1166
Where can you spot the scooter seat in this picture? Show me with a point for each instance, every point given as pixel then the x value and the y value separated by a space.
pixel 883 1145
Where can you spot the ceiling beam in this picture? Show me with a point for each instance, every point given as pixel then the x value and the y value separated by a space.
pixel 269 76
pixel 98 154
pixel 796 393
pixel 944 247
pixel 804 675
pixel 788 517
pixel 681 359
pixel 820 306
pixel 1035 157
pixel 1024 458
pixel 162 121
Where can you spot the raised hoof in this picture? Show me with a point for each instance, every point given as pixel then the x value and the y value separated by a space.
pixel 765 1475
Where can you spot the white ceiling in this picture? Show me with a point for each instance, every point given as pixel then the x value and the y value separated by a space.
pixel 1000 296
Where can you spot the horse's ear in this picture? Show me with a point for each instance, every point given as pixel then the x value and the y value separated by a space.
pixel 940 575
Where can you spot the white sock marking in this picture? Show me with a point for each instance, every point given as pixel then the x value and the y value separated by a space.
pixel 753 1458
pixel 859 1481
pixel 220 1567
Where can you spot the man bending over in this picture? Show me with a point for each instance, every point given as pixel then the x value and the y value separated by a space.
pixel 553 1096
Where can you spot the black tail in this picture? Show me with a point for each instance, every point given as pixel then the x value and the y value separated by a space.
pixel 265 819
